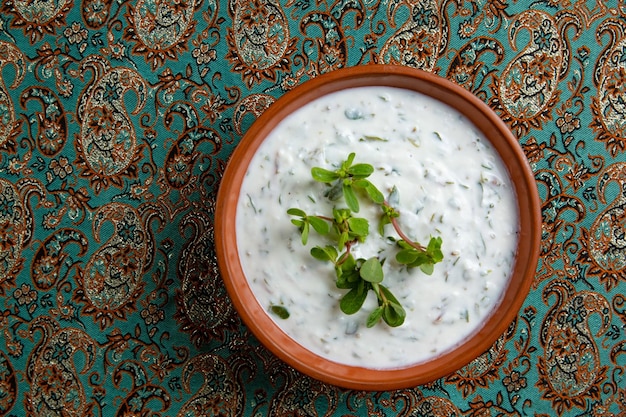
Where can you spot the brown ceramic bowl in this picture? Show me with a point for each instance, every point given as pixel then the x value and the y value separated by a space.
pixel 267 331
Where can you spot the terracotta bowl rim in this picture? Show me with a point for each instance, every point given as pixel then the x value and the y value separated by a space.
pixel 353 377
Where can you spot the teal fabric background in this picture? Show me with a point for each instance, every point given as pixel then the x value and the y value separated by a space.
pixel 116 122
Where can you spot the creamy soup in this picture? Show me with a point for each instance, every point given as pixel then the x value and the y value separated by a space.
pixel 450 182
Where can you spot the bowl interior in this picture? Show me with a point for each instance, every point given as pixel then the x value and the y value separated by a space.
pixel 506 145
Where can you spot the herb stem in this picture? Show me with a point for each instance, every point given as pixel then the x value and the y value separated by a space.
pixel 379 293
pixel 403 236
pixel 346 254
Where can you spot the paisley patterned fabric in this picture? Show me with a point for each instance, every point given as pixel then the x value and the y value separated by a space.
pixel 116 122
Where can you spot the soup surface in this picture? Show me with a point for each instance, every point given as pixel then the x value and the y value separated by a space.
pixel 450 182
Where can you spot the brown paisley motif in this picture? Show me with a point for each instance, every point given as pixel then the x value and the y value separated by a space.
pixel 435 407
pixel 160 29
pixel 49 262
pixel 557 210
pixel 478 407
pixel 189 160
pixel 476 13
pixel 619 307
pixel 303 397
pixel 8 385
pixel 12 235
pixel 604 244
pixel 607 106
pixel 204 309
pixel 219 395
pixel 570 370
pixel 259 42
pixel 183 154
pixel 254 104
pixel 420 39
pixel 51 122
pixel 16 227
pixel 515 371
pixel 412 403
pixel 331 49
pixel 467 70
pixel 276 369
pixel 484 369
pixel 527 89
pixel 37 18
pixel 9 125
pixel 55 385
pixel 97 65
pixel 112 279
pixel 107 149
pixel 141 397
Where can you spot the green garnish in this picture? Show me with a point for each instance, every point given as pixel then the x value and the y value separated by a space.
pixel 372 139
pixel 344 230
pixel 280 311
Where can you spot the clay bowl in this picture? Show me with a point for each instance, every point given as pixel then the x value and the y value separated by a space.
pixel 290 351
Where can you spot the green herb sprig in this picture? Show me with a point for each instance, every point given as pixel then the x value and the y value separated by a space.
pixel 345 230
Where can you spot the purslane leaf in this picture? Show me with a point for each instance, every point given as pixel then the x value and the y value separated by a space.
pixel 318 253
pixel 360 170
pixel 323 175
pixel 388 294
pixel 347 272
pixel 296 212
pixel 434 249
pixel 406 256
pixel 393 315
pixel 320 225
pixel 374 317
pixel 359 226
pixel 346 280
pixel 353 300
pixel 326 253
pixel 372 270
pixel 427 268
pixel 350 159
pixel 344 237
pixel 374 194
pixel 349 263
pixel 305 233
pixel 384 220
pixel 350 196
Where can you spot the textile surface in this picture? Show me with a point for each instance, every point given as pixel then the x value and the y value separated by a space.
pixel 116 122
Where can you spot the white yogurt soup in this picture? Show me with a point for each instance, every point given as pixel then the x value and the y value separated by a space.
pixel 451 183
